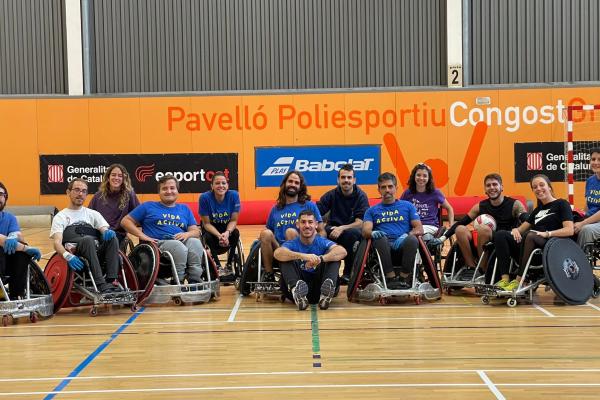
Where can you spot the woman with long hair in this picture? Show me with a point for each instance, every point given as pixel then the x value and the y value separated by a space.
pixel 219 210
pixel 551 218
pixel 115 198
pixel 426 198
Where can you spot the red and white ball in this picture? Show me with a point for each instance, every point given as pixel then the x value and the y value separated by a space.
pixel 485 220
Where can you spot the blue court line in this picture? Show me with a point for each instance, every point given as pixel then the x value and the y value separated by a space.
pixel 92 356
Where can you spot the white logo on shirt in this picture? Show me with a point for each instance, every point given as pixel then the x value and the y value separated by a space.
pixel 541 215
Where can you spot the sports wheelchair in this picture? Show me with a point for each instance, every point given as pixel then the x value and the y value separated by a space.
pixel 457 275
pixel 592 252
pixel 37 298
pixel 367 279
pixel 235 274
pixel 561 266
pixel 155 270
pixel 253 272
pixel 78 288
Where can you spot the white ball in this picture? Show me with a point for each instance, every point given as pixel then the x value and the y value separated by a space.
pixel 485 220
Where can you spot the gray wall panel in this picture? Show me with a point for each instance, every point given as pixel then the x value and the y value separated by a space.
pixel 209 45
pixel 32 42
pixel 531 41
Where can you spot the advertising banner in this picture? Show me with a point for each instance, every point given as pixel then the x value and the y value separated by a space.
pixel 318 164
pixel 549 158
pixel 194 171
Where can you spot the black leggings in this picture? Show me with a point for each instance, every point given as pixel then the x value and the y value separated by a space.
pixel 507 248
pixel 215 248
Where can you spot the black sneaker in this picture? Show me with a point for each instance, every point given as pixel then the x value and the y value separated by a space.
pixel 117 286
pixel 106 288
pixel 344 280
pixel 299 293
pixel 397 283
pixel 327 293
pixel 270 277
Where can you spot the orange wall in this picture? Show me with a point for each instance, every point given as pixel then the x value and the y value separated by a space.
pixel 30 127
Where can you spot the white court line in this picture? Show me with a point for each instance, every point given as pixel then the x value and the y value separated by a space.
pixel 263 321
pixel 542 309
pixel 262 387
pixel 490 385
pixel 315 373
pixel 595 307
pixel 235 309
pixel 323 386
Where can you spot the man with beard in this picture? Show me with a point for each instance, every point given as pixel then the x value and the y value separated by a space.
pixel 88 232
pixel 172 227
pixel 505 210
pixel 310 264
pixel 393 225
pixel 293 198
pixel 346 205
pixel 15 255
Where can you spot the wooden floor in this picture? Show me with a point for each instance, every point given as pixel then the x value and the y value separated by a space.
pixel 454 348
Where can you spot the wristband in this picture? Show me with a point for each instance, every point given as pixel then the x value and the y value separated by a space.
pixel 549 233
pixel 66 255
pixel 322 259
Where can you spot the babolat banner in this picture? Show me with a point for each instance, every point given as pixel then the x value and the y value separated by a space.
pixel 549 158
pixel 318 164
pixel 194 171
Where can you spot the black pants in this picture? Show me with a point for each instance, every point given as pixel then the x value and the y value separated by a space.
pixel 215 248
pixel 507 249
pixel 292 273
pixel 107 253
pixel 15 267
pixel 347 240
pixel 405 256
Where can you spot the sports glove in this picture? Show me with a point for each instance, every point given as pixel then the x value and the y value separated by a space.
pixel 34 252
pixel 398 242
pixel 74 262
pixel 10 245
pixel 108 235
pixel 377 234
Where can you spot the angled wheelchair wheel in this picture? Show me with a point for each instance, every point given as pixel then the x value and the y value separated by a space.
pixel 568 271
pixel 358 268
pixel 430 270
pixel 250 270
pixel 60 278
pixel 144 260
pixel 130 280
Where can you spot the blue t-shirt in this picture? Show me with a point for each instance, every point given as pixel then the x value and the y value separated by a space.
pixel 319 247
pixel 8 223
pixel 219 213
pixel 161 222
pixel 281 219
pixel 392 219
pixel 592 195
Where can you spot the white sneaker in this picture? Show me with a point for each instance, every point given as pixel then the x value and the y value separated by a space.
pixel 299 293
pixel 327 293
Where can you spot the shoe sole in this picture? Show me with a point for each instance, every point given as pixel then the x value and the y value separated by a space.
pixel 327 293
pixel 300 293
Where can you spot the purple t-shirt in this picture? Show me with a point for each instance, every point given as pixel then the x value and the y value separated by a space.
pixel 427 205
pixel 109 208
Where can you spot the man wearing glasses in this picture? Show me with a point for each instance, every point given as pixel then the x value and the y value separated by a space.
pixel 88 233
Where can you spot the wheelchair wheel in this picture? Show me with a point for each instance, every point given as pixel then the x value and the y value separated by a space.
pixel 60 278
pixel 145 262
pixel 250 270
pixel 596 291
pixel 358 268
pixel 130 280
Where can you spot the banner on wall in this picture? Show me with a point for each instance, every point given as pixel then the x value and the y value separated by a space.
pixel 318 164
pixel 194 171
pixel 549 158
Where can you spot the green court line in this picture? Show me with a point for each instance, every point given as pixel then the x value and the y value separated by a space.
pixel 316 345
